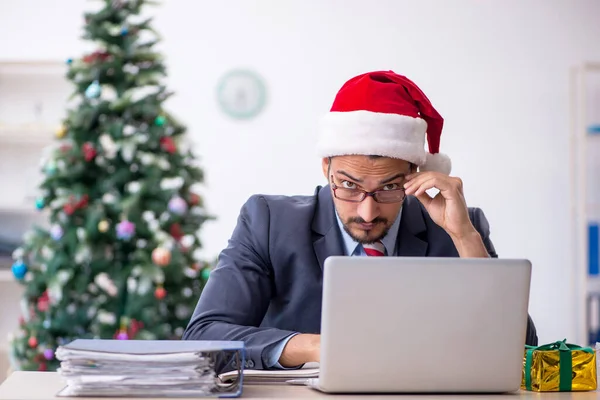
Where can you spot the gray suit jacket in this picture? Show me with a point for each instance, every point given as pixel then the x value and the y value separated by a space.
pixel 267 283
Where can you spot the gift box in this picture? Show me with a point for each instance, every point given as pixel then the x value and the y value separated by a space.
pixel 559 367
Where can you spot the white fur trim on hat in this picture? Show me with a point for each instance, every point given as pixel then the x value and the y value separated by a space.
pixel 437 162
pixel 371 133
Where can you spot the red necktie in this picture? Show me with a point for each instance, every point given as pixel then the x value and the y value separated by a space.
pixel 376 249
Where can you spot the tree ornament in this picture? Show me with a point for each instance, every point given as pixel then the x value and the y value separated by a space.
pixel 56 232
pixel 124 31
pixel 82 202
pixel 69 209
pixel 49 354
pixel 43 302
pixel 205 274
pixel 39 203
pixel 61 132
pixel 89 152
pixel 125 230
pixel 168 145
pixel 93 91
pixel 177 205
pixel 103 226
pixel 122 335
pixel 160 120
pixel 51 168
pixel 160 293
pixel 161 256
pixel 96 56
pixel 19 270
pixel 134 327
pixel 176 231
pixel 43 367
pixel 194 199
pixel 69 61
pixel 32 342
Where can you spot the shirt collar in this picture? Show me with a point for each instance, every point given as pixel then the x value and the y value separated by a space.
pixel 389 241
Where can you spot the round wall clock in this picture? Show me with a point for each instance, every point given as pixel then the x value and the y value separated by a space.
pixel 241 94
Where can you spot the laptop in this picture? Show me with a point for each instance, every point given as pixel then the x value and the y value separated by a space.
pixel 423 325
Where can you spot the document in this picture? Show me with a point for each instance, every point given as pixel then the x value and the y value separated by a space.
pixel 275 376
pixel 160 368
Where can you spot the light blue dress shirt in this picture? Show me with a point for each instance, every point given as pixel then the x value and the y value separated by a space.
pixel 353 248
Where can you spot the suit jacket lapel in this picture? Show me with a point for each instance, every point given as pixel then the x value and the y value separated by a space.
pixel 412 234
pixel 327 238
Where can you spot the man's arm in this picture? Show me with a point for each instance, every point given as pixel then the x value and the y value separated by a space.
pixel 236 297
pixel 482 226
pixel 301 349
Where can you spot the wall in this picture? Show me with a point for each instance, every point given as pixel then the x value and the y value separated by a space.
pixel 497 71
pixel 10 296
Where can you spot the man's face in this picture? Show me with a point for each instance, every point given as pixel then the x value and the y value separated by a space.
pixel 367 221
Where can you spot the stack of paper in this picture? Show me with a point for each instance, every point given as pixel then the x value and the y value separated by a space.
pixel 275 376
pixel 129 368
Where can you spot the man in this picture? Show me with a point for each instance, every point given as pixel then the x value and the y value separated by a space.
pixel 266 288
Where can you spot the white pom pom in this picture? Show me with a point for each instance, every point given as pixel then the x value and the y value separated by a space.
pixel 438 162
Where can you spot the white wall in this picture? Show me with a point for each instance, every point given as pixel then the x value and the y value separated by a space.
pixel 497 71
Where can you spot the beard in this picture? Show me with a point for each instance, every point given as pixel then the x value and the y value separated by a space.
pixel 381 227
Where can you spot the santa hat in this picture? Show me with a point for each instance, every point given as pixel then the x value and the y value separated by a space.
pixel 383 113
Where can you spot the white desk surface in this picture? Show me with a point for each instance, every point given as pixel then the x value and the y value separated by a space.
pixel 21 385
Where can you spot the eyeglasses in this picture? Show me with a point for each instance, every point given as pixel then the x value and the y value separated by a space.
pixel 358 195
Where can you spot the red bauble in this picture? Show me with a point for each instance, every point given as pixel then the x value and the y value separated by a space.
pixel 96 56
pixel 89 152
pixel 168 145
pixel 43 302
pixel 194 199
pixel 69 209
pixel 160 293
pixel 32 341
pixel 83 202
pixel 134 328
pixel 43 367
pixel 176 231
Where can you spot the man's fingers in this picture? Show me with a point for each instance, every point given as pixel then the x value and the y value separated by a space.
pixel 425 199
pixel 421 183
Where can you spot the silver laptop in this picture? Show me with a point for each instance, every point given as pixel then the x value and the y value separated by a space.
pixel 414 325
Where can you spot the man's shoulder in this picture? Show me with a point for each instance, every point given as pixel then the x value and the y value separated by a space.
pixel 279 204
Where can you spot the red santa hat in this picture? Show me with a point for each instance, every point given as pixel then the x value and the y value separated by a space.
pixel 383 113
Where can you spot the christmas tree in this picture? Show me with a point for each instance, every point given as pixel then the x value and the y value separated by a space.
pixel 120 256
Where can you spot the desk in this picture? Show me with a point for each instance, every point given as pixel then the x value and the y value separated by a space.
pixel 21 385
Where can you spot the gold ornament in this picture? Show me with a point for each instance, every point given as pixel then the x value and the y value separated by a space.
pixel 61 132
pixel 103 226
pixel 161 256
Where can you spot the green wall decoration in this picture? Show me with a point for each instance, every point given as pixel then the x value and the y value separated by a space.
pixel 241 94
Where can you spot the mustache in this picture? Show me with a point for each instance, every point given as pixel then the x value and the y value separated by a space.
pixel 359 220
